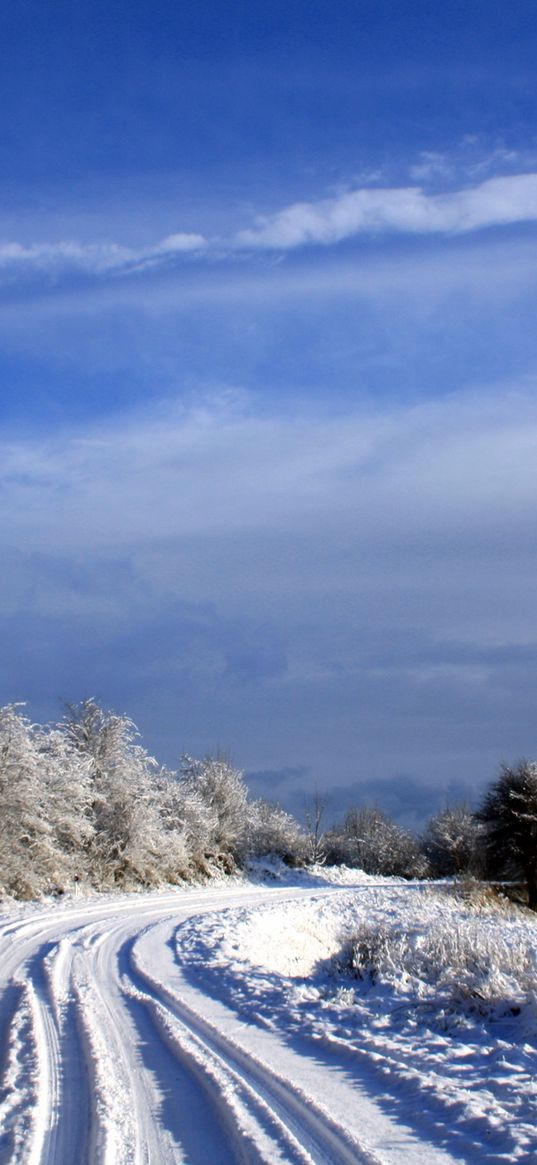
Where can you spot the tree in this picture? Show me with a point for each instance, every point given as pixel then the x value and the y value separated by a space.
pixel 127 843
pixel 450 842
pixel 270 830
pixel 509 819
pixel 82 801
pixel 314 815
pixel 369 840
pixel 222 791
pixel 188 821
pixel 44 792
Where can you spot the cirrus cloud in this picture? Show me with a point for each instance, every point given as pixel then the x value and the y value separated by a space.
pixel 93 258
pixel 495 202
pixel 325 222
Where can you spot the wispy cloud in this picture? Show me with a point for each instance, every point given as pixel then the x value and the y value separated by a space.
pixel 323 222
pixel 93 258
pixel 405 210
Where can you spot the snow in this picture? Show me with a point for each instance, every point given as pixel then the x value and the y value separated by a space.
pixel 230 1023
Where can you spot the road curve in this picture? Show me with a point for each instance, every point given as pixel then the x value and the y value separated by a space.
pixel 112 1057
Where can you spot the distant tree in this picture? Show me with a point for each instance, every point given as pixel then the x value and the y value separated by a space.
pixel 369 840
pixel 451 840
pixel 314 817
pixel 508 816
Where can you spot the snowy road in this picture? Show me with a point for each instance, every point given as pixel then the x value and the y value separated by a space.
pixel 113 1053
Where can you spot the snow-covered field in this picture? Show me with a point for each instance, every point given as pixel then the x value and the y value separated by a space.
pixel 308 1018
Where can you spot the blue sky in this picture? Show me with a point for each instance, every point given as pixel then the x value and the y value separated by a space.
pixel 268 362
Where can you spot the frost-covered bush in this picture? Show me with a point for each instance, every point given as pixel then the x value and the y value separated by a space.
pixel 45 796
pixel 217 791
pixel 463 961
pixel 369 840
pixel 127 841
pixel 315 834
pixel 83 802
pixel 67 777
pixel 186 823
pixel 270 830
pixel 451 842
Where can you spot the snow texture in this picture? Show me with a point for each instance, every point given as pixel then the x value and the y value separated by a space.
pixel 297 1018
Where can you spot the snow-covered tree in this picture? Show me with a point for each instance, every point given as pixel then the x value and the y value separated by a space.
pixel 83 801
pixel 508 817
pixel 221 790
pixel 189 823
pixel 314 816
pixel 127 844
pixel 270 830
pixel 44 792
pixel 369 840
pixel 67 775
pixel 451 842
pixel 27 855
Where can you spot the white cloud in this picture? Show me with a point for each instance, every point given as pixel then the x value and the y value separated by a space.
pixel 93 258
pixel 328 221
pixel 495 202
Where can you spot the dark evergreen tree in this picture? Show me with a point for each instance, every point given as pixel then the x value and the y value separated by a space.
pixel 509 819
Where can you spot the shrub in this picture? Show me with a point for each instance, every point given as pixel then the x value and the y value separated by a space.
pixel 451 842
pixel 218 788
pixel 369 840
pixel 270 830
pixel 45 794
pixel 462 961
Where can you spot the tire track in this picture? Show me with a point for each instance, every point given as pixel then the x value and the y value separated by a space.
pixel 112 1058
pixel 300 1123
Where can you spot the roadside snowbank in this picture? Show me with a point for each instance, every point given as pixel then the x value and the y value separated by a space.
pixel 462 1067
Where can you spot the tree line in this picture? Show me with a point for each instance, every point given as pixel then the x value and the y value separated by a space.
pixel 495 842
pixel 84 803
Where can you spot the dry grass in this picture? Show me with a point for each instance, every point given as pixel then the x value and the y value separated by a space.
pixel 459 961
